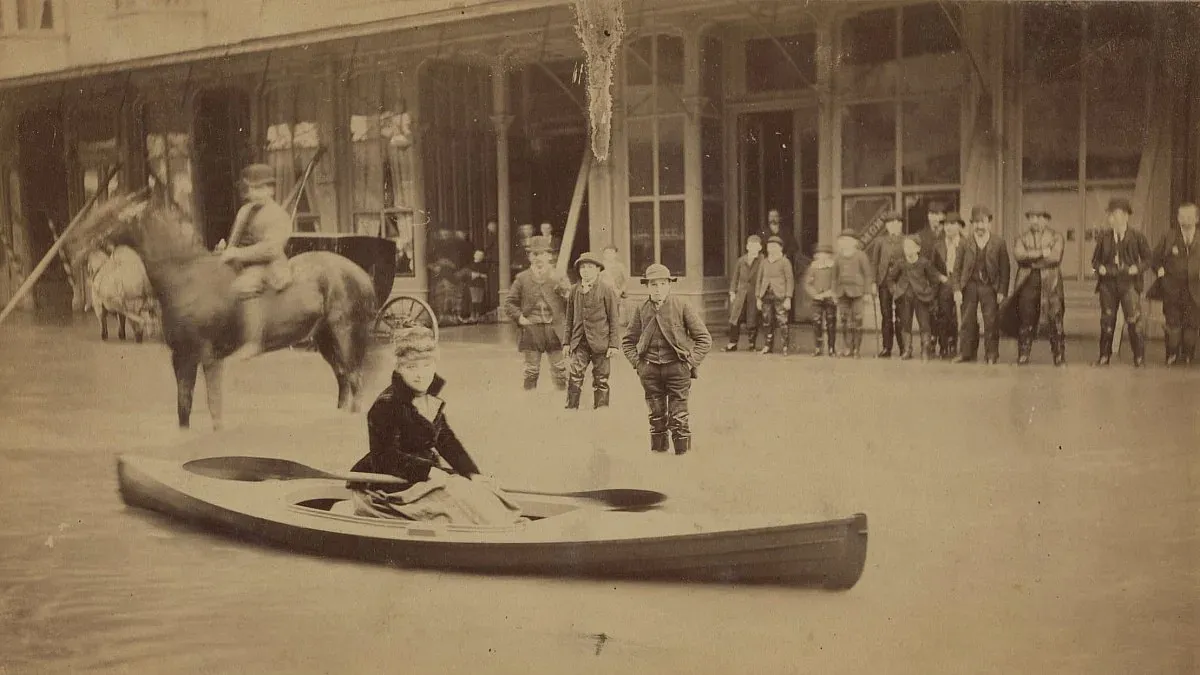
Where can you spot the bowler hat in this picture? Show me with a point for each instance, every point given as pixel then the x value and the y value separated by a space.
pixel 1036 210
pixel 1120 203
pixel 824 248
pixel 954 217
pixel 979 213
pixel 589 257
pixel 657 271
pixel 538 245
pixel 891 215
pixel 936 206
pixel 775 239
pixel 256 175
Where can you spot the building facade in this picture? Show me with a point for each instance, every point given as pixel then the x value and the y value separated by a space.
pixel 450 114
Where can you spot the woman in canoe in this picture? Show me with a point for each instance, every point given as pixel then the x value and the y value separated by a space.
pixel 410 438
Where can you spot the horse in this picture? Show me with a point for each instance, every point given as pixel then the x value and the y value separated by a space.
pixel 119 285
pixel 331 300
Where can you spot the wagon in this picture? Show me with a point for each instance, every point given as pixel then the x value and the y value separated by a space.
pixel 377 256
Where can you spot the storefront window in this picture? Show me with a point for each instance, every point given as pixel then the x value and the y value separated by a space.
pixel 381 135
pixel 1084 113
pixel 655 133
pixel 910 143
pixel 293 136
pixel 169 154
pixel 711 72
pixel 869 145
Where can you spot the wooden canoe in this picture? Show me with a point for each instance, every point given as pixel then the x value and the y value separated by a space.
pixel 562 537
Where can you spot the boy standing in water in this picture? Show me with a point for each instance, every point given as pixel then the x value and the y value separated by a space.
pixel 853 280
pixel 537 302
pixel 591 335
pixel 818 283
pixel 666 342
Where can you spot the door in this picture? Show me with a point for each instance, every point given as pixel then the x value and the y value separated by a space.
pixel 223 149
pixel 44 201
pixel 778 169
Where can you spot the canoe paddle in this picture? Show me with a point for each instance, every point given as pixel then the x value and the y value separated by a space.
pixel 270 468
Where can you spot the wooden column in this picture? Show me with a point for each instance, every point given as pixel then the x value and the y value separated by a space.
pixel 502 120
pixel 828 212
pixel 693 205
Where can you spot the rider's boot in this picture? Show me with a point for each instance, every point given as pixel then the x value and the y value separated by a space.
pixel 252 329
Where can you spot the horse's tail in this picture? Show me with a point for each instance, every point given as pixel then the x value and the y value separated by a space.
pixel 350 308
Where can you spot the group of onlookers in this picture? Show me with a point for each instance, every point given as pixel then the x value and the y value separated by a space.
pixel 945 278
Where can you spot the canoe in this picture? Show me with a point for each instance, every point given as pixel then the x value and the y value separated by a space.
pixel 560 536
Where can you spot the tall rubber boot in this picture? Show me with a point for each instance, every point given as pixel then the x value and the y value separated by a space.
pixel 818 338
pixel 677 421
pixel 659 441
pixel 1058 345
pixel 831 336
pixel 856 342
pixel 601 399
pixel 1106 341
pixel 784 330
pixel 252 329
pixel 573 392
pixel 1174 341
pixel 929 347
pixel 1024 345
pixel 905 343
pixel 1137 345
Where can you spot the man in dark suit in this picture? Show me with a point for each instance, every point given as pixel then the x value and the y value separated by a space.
pixel 982 281
pixel 947 251
pixel 886 252
pixel 1121 257
pixel 775 229
pixel 1177 264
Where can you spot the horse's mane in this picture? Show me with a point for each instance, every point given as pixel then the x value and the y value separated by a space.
pixel 158 232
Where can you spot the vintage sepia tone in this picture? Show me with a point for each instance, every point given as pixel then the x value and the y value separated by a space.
pixel 572 336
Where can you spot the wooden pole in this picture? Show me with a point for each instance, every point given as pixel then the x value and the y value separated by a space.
pixel 66 264
pixel 568 240
pixel 54 249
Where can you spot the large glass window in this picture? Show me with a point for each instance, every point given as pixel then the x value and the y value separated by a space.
pixel 382 179
pixel 655 133
pixel 1084 111
pixel 169 154
pixel 900 79
pixel 293 136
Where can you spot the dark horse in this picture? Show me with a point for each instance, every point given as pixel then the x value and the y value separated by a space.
pixel 330 300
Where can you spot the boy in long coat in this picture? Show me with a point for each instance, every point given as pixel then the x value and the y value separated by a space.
pixel 818 283
pixel 591 335
pixel 773 294
pixel 1121 257
pixel 853 281
pixel 946 253
pixel 1037 298
pixel 982 278
pixel 914 284
pixel 741 294
pixel 1177 264
pixel 537 302
pixel 666 342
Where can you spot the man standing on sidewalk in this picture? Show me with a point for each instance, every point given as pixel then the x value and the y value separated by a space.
pixel 1038 294
pixel 591 335
pixel 947 251
pixel 537 302
pixel 1121 257
pixel 887 253
pixel 1177 263
pixel 983 283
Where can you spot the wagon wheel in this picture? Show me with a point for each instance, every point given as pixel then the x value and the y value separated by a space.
pixel 403 311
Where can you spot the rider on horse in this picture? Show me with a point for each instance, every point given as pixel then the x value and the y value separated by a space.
pixel 256 249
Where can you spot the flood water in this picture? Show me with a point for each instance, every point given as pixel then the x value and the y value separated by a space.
pixel 1042 521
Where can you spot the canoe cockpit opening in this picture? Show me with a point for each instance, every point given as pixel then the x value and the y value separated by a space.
pixel 325 504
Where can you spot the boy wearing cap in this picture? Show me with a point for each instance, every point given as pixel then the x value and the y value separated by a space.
pixel 818 283
pixel 982 282
pixel 773 294
pixel 666 342
pixel 1177 264
pixel 853 279
pixel 887 253
pixel 914 285
pixel 743 293
pixel 946 253
pixel 1121 257
pixel 1039 289
pixel 591 332
pixel 537 302
pixel 256 243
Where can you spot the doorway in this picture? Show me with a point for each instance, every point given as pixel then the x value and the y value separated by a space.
pixel 223 148
pixel 44 201
pixel 777 169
